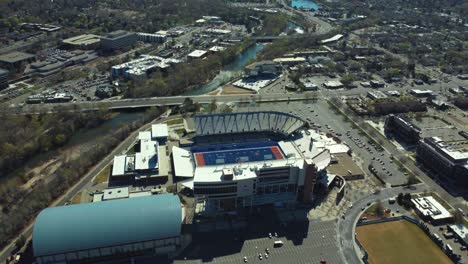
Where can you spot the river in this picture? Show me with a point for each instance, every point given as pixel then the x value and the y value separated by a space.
pixel 229 72
pixel 304 4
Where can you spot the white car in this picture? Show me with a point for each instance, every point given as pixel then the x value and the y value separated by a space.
pixel 245 260
pixel 260 257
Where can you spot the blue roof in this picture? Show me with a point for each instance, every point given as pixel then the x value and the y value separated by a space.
pixel 92 225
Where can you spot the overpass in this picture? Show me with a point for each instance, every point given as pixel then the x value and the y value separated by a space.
pixel 152 101
pixel 202 99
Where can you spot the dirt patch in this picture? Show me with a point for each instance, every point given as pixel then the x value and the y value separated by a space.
pixel 230 89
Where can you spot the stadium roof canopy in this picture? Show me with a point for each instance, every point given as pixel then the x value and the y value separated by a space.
pixel 102 224
pixel 268 121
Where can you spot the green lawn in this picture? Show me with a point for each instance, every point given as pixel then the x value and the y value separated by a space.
pixel 399 242
pixel 177 121
pixel 103 176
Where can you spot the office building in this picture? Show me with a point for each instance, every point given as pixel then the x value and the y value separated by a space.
pixel 4 79
pixel 16 61
pixel 151 38
pixel 401 127
pixel 150 163
pixel 119 39
pixel 447 161
pixel 86 41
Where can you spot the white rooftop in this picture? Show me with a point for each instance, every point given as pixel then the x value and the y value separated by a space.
pixel 461 231
pixel 159 131
pixel 118 167
pixel 332 39
pixel 429 207
pixel 183 162
pixel 197 53
pixel 115 193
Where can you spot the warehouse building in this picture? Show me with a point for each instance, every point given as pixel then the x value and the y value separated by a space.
pixel 105 231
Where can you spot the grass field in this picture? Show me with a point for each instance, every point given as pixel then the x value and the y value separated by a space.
pixel 399 242
pixel 103 176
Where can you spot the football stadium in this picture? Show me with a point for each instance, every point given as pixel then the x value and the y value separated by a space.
pixel 240 160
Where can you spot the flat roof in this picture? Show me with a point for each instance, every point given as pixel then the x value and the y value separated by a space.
pixel 332 39
pixel 15 56
pixel 159 131
pixel 197 53
pixel 85 39
pixel 183 162
pixel 345 166
pixel 115 193
pixel 296 59
pixel 428 206
pixel 118 167
pixel 461 231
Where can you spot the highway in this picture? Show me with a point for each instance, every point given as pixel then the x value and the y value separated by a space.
pixel 203 99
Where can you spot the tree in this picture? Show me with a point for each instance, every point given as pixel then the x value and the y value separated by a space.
pixel 19 243
pixel 458 217
pixel 380 209
pixel 347 79
pixel 411 179
pixel 213 106
pixel 400 198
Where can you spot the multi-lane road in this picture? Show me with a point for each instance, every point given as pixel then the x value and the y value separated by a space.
pixel 178 100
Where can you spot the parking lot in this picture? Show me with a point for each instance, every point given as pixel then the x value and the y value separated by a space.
pixel 319 242
pixel 321 118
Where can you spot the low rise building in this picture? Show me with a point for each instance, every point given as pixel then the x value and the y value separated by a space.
pixel 147 165
pixel 443 159
pixel 138 69
pixel 197 54
pixel 4 75
pixel 403 128
pixel 461 232
pixel 16 61
pixel 151 38
pixel 263 69
pixel 421 93
pixel 431 210
pixel 86 41
pixel 374 95
pixel 333 85
pixel 290 61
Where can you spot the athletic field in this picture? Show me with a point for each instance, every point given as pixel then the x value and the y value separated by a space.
pixel 399 242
